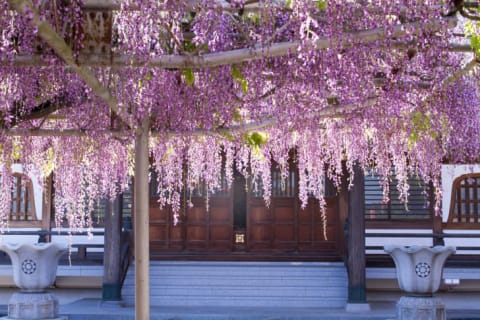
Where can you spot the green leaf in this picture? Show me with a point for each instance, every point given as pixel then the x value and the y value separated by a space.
pixel 189 76
pixel 421 125
pixel 475 43
pixel 189 46
pixel 227 135
pixel 244 84
pixel 236 115
pixel 255 18
pixel 17 150
pixel 322 5
pixel 256 139
pixel 236 73
pixel 238 76
pixel 49 165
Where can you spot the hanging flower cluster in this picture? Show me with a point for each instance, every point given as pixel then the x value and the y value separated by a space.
pixel 368 83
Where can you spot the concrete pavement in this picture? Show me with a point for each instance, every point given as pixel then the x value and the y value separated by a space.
pixel 460 306
pixel 87 309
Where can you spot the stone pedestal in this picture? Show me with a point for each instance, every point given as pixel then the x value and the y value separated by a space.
pixel 420 308
pixel 34 270
pixel 419 274
pixel 37 305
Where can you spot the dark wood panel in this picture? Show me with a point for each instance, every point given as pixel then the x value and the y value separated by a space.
pixel 158 232
pixel 260 233
pixel 176 232
pixel 284 232
pixel 284 214
pixel 158 215
pixel 258 214
pixel 320 233
pixel 305 233
pixel 158 245
pixel 220 233
pixel 197 214
pixel 284 226
pixel 197 233
pixel 198 230
pixel 220 215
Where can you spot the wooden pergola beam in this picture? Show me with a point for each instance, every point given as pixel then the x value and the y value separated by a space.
pixel 63 50
pixel 333 111
pixel 226 57
pixel 469 66
pixel 193 5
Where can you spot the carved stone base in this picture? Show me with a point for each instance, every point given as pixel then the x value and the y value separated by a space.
pixel 420 308
pixel 32 305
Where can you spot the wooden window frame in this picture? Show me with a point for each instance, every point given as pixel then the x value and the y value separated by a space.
pixel 404 223
pixel 456 193
pixel 22 181
pixel 280 188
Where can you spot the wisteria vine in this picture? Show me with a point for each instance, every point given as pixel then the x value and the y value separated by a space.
pixel 378 96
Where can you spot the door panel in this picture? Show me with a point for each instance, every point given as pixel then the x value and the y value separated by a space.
pixel 198 230
pixel 283 229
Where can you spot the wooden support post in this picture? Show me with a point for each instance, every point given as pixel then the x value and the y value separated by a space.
pixel 357 297
pixel 141 228
pixel 47 209
pixel 111 288
pixel 343 212
pixel 437 226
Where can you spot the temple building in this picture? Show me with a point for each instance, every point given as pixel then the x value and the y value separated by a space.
pixel 230 248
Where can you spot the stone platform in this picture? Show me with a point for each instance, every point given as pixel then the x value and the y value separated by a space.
pixel 424 308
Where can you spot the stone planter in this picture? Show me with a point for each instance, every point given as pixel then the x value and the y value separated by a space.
pixel 34 270
pixel 419 274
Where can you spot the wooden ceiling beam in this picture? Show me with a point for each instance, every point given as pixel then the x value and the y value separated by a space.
pixel 63 50
pixel 232 56
pixel 192 5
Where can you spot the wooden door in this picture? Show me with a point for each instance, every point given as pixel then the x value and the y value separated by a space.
pixel 212 229
pixel 165 235
pixel 285 227
pixel 197 229
pixel 282 230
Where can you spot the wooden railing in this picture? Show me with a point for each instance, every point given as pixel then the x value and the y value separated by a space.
pixel 44 236
pixel 464 259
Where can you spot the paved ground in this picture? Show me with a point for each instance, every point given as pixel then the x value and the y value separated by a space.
pixel 94 309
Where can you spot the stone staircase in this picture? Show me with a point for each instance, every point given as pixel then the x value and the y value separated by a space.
pixel 243 284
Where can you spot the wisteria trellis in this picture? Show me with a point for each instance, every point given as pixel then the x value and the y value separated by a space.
pixel 234 83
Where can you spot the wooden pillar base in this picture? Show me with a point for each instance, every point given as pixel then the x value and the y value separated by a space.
pixel 111 292
pixel 357 294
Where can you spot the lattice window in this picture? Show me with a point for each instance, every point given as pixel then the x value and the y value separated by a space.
pixel 98 213
pixel 199 191
pixel 23 205
pixel 127 202
pixel 464 207
pixel 416 208
pixel 281 187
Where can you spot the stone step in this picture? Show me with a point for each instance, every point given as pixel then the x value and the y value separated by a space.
pixel 274 284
